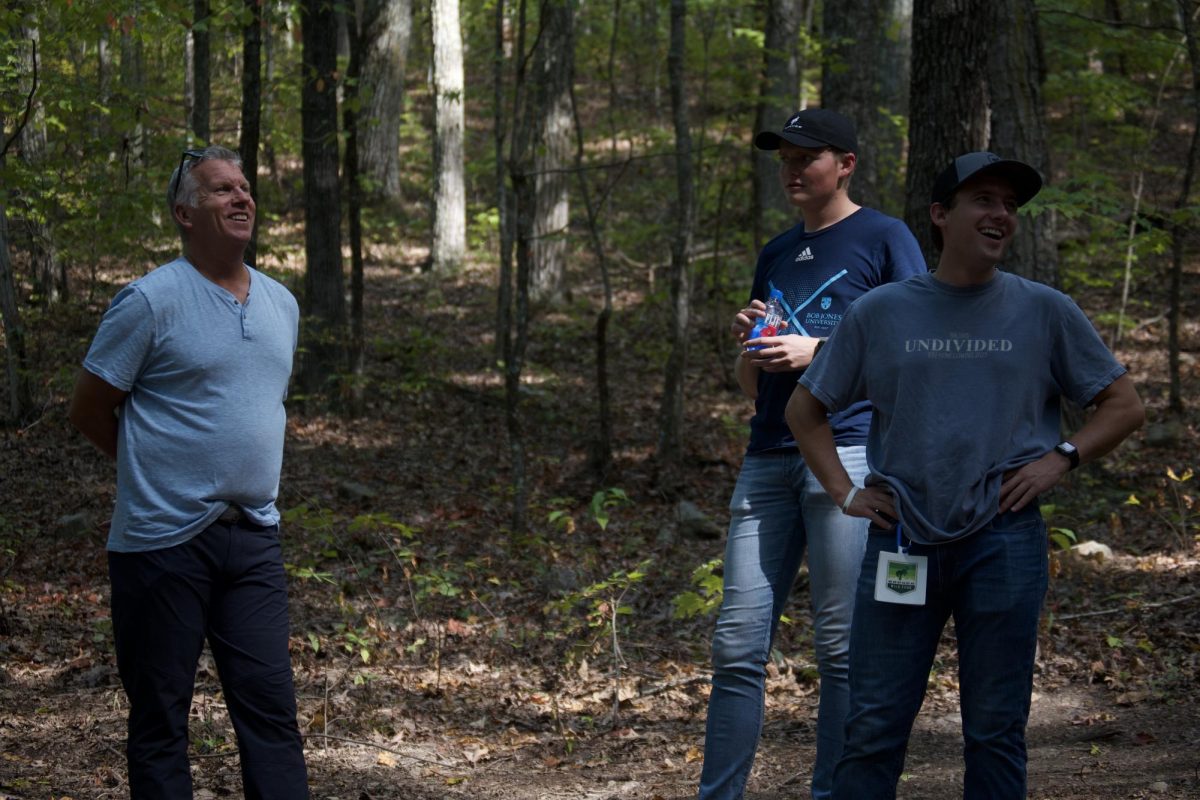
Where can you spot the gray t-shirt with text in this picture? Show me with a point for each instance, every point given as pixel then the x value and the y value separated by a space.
pixel 965 383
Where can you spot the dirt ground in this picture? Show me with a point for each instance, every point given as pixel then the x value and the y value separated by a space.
pixel 431 658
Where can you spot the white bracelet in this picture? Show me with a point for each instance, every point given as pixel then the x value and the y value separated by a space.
pixel 849 499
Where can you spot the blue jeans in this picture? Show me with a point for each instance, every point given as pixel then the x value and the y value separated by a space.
pixel 778 511
pixel 993 583
pixel 226 584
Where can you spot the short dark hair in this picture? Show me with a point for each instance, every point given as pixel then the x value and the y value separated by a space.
pixel 948 204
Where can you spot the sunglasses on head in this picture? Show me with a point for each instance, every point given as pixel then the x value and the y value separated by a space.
pixel 187 160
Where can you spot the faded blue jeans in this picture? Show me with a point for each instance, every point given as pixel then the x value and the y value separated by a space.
pixel 778 511
pixel 992 583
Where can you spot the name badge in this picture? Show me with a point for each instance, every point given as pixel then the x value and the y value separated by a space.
pixel 900 577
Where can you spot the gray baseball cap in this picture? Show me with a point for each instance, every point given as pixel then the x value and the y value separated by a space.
pixel 1026 181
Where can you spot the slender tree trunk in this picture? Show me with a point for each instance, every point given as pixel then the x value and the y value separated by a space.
pixel 133 153
pixel 386 31
pixel 270 26
pixel 554 66
pixel 671 412
pixel 601 451
pixel 104 71
pixel 948 105
pixel 20 398
pixel 778 94
pixel 48 271
pixel 201 59
pixel 520 162
pixel 252 107
pixel 450 201
pixel 1187 14
pixel 649 57
pixel 354 196
pixel 612 77
pixel 1017 69
pixel 504 299
pixel 325 304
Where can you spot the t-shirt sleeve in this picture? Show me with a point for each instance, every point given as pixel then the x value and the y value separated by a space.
pixel 123 341
pixel 1083 365
pixel 835 375
pixel 902 255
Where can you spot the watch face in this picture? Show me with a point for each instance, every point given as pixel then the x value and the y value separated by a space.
pixel 1069 452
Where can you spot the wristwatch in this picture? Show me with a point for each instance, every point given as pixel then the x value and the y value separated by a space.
pixel 1069 451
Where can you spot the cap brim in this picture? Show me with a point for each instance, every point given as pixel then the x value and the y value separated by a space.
pixel 1026 181
pixel 769 140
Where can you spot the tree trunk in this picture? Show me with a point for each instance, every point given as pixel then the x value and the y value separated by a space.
pixel 354 196
pixel 778 95
pixel 324 301
pixel 251 107
pixel 601 450
pixel 554 66
pixel 1016 67
pixel 201 59
pixel 862 78
pixel 504 299
pixel 648 58
pixel 520 164
pixel 268 100
pixel 48 271
pixel 450 201
pixel 104 74
pixel 671 412
pixel 386 32
pixel 1187 10
pixel 20 398
pixel 948 103
pixel 133 153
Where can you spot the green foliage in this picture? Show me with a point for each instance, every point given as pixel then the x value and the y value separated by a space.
pixel 1111 91
pixel 603 501
pixel 592 614
pixel 1176 505
pixel 710 591
pixel 1062 538
pixel 562 516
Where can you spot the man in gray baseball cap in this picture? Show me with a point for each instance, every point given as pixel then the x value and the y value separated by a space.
pixel 971 364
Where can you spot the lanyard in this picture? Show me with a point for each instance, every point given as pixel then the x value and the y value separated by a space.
pixel 900 548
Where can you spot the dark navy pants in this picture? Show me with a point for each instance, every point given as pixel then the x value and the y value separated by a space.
pixel 226 584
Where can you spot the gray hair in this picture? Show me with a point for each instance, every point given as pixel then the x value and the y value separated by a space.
pixel 182 188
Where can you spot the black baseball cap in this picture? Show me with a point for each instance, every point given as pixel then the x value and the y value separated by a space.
pixel 1026 181
pixel 813 127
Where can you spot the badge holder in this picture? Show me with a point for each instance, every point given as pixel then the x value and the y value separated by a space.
pixel 899 577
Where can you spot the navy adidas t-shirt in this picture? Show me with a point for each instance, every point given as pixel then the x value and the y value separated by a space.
pixel 820 275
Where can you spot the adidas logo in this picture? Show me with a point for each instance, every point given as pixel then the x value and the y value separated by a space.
pixel 805 255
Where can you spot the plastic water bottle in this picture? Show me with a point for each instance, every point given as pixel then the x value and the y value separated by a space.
pixel 772 323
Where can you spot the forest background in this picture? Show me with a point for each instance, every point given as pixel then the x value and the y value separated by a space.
pixel 518 232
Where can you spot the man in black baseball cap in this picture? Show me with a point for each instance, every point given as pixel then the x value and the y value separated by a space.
pixel 813 127
pixel 814 271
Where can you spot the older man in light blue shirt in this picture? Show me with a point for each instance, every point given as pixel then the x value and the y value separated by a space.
pixel 184 386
